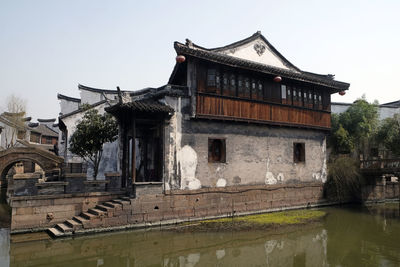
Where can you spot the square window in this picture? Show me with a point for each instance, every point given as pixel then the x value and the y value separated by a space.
pixel 299 152
pixel 216 150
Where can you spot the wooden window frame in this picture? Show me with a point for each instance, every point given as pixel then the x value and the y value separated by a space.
pixel 230 82
pixel 299 152
pixel 213 145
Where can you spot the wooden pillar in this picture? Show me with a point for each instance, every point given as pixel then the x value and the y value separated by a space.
pixel 123 146
pixel 133 163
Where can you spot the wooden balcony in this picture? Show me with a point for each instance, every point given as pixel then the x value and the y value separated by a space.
pixel 229 108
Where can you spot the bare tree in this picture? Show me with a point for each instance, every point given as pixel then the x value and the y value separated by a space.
pixel 16 104
pixel 16 110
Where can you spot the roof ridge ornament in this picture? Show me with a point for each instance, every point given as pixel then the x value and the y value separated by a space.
pixel 259 48
pixel 189 43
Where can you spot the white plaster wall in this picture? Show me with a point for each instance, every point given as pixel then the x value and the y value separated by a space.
pixel 387 112
pixel 89 97
pixel 339 108
pixel 68 106
pixel 262 158
pixel 384 111
pixel 109 162
pixel 248 52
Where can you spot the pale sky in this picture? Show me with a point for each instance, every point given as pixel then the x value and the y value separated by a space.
pixel 49 47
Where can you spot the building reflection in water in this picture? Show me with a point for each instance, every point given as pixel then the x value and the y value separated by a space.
pixel 346 237
pixel 4 247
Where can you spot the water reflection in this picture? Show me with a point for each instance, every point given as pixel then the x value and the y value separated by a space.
pixel 347 237
pixel 4 247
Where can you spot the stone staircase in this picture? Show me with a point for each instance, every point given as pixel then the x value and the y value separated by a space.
pixel 93 218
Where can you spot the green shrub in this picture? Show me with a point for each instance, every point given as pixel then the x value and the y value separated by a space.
pixel 344 179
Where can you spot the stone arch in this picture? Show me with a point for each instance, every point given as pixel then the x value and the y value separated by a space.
pixel 45 159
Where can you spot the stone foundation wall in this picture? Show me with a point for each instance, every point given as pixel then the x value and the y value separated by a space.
pixel 173 206
pixel 381 191
pixel 41 212
pixel 210 202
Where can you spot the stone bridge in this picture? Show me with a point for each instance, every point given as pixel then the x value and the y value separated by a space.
pixel 45 159
pixel 379 167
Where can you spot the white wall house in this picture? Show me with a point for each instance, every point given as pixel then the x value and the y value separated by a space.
pixel 70 115
pixel 387 110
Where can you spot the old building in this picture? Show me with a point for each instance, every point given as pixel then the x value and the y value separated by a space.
pixel 386 110
pixel 18 130
pixel 240 114
pixel 70 115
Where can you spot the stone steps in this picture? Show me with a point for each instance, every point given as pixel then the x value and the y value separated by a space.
pixel 63 227
pixel 104 208
pixel 88 219
pixel 74 224
pixel 112 204
pixel 88 216
pixel 121 201
pixel 54 232
pixel 97 212
pixel 79 219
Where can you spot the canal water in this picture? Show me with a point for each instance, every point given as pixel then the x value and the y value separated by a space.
pixel 347 236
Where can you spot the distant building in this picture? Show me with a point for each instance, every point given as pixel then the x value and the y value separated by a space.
pixel 387 110
pixel 17 130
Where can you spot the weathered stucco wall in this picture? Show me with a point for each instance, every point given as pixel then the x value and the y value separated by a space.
pixel 255 154
pixel 109 162
pixel 90 97
pixel 67 106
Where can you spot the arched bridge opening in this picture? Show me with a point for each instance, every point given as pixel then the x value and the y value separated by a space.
pixel 22 160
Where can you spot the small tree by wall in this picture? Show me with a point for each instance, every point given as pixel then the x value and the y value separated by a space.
pixel 389 134
pixel 355 129
pixel 92 132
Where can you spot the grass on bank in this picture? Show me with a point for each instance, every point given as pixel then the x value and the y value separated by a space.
pixel 259 221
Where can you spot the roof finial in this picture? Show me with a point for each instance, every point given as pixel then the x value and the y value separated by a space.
pixel 189 43
pixel 258 32
pixel 119 95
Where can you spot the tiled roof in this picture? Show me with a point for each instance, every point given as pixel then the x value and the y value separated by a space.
pixel 142 106
pixel 44 130
pixel 81 109
pixel 68 98
pixel 296 74
pixel 98 90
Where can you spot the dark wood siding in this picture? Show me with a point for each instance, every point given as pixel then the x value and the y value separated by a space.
pixel 230 93
pixel 226 108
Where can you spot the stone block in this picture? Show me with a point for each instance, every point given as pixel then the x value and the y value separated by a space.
pixel 116 221
pixel 23 211
pixel 137 218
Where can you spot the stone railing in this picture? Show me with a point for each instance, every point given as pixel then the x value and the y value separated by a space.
pixel 380 164
pixel 31 184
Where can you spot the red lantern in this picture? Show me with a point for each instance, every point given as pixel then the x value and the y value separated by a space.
pixel 278 79
pixel 180 58
pixel 342 93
